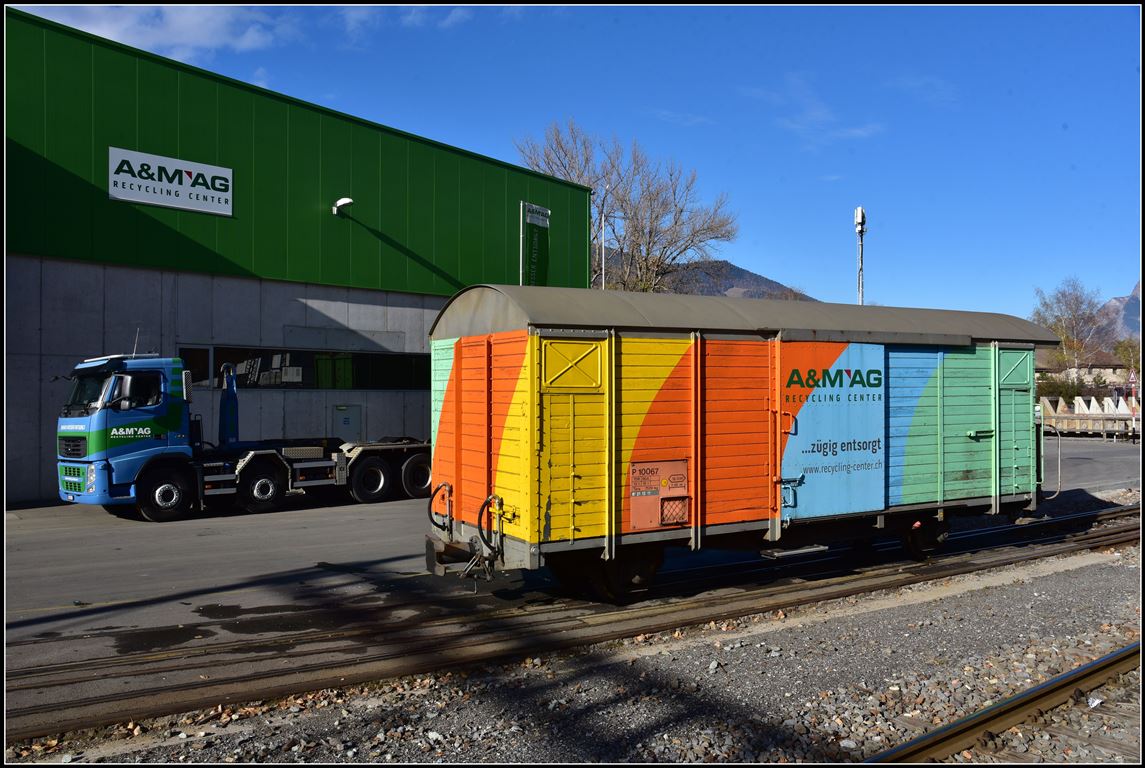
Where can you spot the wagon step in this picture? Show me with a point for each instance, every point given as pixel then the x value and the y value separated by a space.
pixel 776 554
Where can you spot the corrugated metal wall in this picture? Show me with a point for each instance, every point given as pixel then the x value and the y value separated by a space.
pixel 427 218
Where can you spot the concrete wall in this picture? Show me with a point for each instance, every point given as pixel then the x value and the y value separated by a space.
pixel 59 312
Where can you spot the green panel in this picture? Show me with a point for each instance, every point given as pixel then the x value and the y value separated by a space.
pixel 269 184
pixel 1015 367
pixel 966 407
pixel 365 240
pixel 337 181
pixel 67 144
pixel 472 224
pixel 236 140
pixel 113 125
pixel 446 224
pixel 305 198
pixel 24 96
pixel 500 226
pixel 419 274
pixel 199 142
pixel 394 234
pixel 158 228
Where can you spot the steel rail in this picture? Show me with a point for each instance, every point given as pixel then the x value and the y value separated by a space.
pixel 458 640
pixel 975 729
pixel 310 637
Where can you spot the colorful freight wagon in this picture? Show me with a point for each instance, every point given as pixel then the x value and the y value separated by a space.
pixel 588 430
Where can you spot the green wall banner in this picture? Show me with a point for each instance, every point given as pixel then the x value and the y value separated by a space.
pixel 138 177
pixel 534 242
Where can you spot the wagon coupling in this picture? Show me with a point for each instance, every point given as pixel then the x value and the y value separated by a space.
pixel 447 526
pixel 494 551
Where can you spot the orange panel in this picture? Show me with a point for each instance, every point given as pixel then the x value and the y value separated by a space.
pixel 738 426
pixel 478 398
pixel 666 433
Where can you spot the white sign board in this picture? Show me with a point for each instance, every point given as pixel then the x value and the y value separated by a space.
pixel 138 177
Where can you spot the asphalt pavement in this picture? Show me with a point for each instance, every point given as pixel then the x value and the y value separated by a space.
pixel 73 568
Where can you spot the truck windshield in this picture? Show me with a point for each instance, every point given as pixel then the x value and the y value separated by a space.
pixel 85 394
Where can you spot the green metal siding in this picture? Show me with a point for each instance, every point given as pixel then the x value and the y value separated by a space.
pixel 978 408
pixel 427 218
pixel 966 408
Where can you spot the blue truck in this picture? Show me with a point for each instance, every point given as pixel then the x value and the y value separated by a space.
pixel 126 436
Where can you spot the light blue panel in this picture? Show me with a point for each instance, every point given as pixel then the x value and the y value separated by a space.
pixel 441 364
pixel 911 374
pixel 839 443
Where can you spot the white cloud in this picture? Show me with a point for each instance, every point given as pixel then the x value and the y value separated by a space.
pixel 414 17
pixel 260 78
pixel 359 21
pixel 811 118
pixel 181 32
pixel 455 17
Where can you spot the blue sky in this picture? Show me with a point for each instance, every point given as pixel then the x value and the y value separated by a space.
pixel 996 150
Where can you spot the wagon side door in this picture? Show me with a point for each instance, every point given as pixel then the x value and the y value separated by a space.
pixel 572 452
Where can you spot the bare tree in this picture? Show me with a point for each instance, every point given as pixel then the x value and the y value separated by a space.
pixel 1128 352
pixel 1072 313
pixel 647 214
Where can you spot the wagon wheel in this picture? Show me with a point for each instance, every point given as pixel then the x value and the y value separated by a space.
pixel 925 541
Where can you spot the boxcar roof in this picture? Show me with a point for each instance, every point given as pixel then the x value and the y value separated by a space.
pixel 482 309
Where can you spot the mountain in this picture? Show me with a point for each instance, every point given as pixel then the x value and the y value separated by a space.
pixel 722 278
pixel 1121 317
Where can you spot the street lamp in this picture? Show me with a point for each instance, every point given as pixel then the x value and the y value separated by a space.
pixel 860 230
pixel 603 201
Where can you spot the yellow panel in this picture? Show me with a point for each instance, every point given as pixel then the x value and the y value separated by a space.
pixel 571 364
pixel 572 463
pixel 571 475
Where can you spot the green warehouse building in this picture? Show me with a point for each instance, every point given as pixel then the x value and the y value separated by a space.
pixel 156 207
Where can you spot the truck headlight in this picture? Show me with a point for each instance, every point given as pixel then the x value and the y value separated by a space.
pixel 91 478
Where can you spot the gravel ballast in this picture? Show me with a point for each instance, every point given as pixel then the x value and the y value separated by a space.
pixel 834 681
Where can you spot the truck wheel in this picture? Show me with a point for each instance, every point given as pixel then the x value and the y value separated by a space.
pixel 371 479
pixel 164 494
pixel 261 487
pixel 415 476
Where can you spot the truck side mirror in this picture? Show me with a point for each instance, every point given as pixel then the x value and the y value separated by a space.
pixel 187 385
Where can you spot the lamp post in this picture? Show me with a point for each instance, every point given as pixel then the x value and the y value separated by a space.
pixel 603 201
pixel 860 230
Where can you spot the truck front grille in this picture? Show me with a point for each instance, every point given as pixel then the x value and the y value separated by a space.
pixel 73 447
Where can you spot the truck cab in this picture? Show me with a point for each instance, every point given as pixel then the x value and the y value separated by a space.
pixel 124 413
pixel 126 436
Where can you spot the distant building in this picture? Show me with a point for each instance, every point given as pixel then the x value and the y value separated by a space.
pixel 1104 366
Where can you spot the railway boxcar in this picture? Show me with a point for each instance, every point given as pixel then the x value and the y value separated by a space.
pixel 588 430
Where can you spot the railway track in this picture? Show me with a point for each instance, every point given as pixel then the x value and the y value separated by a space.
pixel 99 688
pixel 980 728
